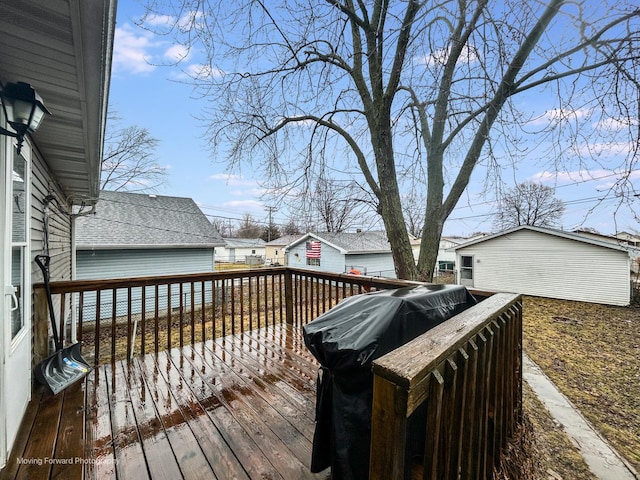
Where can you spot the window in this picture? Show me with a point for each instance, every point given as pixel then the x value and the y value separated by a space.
pixel 466 267
pixel 315 262
pixel 446 266
pixel 253 252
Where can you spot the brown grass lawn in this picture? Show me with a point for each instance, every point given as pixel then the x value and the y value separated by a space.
pixel 590 352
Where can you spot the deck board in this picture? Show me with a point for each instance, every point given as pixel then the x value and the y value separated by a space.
pixel 241 406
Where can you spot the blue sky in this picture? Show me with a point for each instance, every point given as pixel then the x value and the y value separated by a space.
pixel 158 99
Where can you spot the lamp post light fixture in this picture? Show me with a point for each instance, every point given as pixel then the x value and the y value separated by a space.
pixel 23 109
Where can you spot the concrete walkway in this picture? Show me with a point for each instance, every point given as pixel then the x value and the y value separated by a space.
pixel 602 459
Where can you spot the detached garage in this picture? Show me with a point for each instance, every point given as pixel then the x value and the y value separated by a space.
pixel 547 263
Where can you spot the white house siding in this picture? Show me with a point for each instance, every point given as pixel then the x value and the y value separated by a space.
pixel 545 265
pixel 374 264
pixel 123 263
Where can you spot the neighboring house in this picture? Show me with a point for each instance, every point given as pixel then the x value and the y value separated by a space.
pixel 134 234
pixel 274 250
pixel 548 263
pixel 446 255
pixel 242 250
pixel 369 253
pixel 632 239
pixel 63 49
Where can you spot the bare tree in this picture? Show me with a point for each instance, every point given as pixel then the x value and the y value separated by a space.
pixel 222 225
pixel 129 162
pixel 413 208
pixel 336 204
pixel 291 228
pixel 249 228
pixel 412 86
pixel 531 204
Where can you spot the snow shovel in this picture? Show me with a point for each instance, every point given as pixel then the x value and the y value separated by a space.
pixel 66 366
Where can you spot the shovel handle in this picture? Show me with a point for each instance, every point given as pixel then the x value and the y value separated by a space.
pixel 43 262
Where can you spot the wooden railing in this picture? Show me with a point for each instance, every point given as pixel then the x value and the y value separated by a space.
pixel 117 318
pixel 462 382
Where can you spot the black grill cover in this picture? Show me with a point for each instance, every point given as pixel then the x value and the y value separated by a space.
pixel 346 340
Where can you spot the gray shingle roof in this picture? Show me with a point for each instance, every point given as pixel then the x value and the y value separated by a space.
pixel 243 242
pixel 352 242
pixel 284 240
pixel 134 220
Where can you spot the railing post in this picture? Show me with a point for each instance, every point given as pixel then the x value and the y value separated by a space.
pixel 40 325
pixel 288 296
pixel 388 430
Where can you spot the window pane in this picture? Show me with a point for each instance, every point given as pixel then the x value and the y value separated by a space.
pixel 17 318
pixel 19 201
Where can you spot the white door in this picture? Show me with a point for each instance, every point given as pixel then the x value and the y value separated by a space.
pixel 466 270
pixel 15 383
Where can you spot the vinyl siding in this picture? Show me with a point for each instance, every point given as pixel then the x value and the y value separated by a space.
pixel 97 264
pixel 539 264
pixel 59 225
pixel 331 259
pixel 374 264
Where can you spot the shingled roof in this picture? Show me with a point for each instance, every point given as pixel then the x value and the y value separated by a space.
pixel 134 220
pixel 350 242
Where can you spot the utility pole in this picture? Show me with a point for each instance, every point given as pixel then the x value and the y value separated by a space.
pixel 270 210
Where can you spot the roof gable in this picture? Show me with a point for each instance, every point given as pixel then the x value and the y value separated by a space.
pixel 546 231
pixel 133 220
pixel 350 242
pixel 243 242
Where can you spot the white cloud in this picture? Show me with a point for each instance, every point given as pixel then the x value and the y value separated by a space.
pixel 468 55
pixel 203 72
pixel 605 149
pixel 606 178
pixel 245 205
pixel 176 53
pixel 159 20
pixel 615 124
pixel 131 51
pixel 233 179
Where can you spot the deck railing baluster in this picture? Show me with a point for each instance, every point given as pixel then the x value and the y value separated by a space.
pixel 114 315
pixel 180 314
pixel 156 309
pixel 267 297
pixel 129 324
pixel 143 323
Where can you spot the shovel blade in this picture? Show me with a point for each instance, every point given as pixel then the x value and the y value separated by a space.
pixel 62 369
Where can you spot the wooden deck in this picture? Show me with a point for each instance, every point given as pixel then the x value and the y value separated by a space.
pixel 240 407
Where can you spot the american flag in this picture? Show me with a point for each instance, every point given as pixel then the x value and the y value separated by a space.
pixel 313 249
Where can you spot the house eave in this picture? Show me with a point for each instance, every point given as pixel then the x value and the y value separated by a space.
pixel 147 246
pixel 64 50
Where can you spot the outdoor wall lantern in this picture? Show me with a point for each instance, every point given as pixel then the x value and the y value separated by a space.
pixel 23 109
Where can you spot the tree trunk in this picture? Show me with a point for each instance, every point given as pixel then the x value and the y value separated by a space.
pixel 392 215
pixel 429 245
